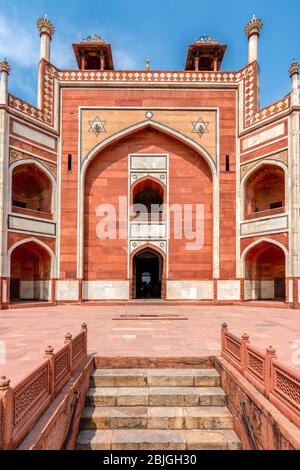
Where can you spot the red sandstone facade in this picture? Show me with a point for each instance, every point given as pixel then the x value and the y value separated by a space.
pixel 193 138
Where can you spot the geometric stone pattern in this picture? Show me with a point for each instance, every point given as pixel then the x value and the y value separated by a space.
pixel 247 75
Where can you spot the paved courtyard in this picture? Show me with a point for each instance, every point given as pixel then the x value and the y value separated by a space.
pixel 24 333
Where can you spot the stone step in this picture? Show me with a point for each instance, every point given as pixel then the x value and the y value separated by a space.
pixel 155 378
pixel 156 396
pixel 139 417
pixel 153 439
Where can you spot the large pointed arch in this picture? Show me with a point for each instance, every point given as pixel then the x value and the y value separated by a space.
pixel 48 174
pixel 23 242
pixel 259 241
pixel 144 125
pixel 123 134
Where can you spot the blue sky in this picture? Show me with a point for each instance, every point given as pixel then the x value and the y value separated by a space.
pixel 160 29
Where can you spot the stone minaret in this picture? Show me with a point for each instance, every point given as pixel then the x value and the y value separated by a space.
pixel 4 71
pixel 46 29
pixel 294 74
pixel 252 29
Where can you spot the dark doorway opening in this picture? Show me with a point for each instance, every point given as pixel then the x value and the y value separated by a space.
pixel 279 288
pixel 147 275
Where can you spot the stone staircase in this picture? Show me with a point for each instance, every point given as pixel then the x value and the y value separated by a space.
pixel 156 409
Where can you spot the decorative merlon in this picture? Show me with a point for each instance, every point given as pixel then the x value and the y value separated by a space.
pixel 4 66
pixel 147 64
pixel 45 26
pixel 294 68
pixel 254 26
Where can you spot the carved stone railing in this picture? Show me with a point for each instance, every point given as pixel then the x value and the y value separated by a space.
pixel 265 213
pixel 278 382
pixel 22 405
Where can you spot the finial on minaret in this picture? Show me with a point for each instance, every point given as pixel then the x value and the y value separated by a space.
pixel 147 64
pixel 294 68
pixel 45 26
pixel 253 26
pixel 252 29
pixel 4 66
pixel 46 29
pixel 294 74
pixel 4 71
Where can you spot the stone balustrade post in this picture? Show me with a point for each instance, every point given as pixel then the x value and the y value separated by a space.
pixel 245 341
pixel 224 330
pixel 7 413
pixel 49 355
pixel 270 356
pixel 84 329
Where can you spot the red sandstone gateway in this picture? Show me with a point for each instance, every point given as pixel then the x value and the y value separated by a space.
pixel 99 177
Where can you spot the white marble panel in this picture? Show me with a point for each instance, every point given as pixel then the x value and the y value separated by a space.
pixel 4 291
pixel 271 224
pixel 105 290
pixel 190 290
pixel 229 290
pixel 43 289
pixel 148 162
pixel 146 231
pixel 261 137
pixel 267 290
pixel 34 135
pixel 251 289
pixel 31 225
pixel 27 290
pixel 67 290
pixel 291 290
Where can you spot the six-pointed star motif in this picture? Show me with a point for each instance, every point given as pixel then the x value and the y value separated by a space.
pixel 200 127
pixel 97 126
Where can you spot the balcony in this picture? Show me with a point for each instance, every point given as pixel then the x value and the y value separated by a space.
pixel 32 213
pixel 265 213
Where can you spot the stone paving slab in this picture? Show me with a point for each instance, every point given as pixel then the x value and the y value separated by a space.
pixel 25 333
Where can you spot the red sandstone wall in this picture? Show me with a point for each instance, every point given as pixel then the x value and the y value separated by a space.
pixel 225 101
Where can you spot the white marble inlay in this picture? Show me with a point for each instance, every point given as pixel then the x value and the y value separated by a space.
pixel 267 290
pixel 67 290
pixel 36 136
pixel 265 225
pixel 257 139
pixel 229 290
pixel 148 162
pixel 147 231
pixel 4 291
pixel 31 225
pixel 190 290
pixel 105 290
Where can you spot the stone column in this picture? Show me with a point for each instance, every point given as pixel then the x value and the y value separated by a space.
pixel 4 145
pixel 293 205
pixel 252 29
pixel 46 29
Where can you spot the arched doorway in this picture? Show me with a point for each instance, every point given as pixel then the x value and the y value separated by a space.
pixel 148 200
pixel 265 192
pixel 31 189
pixel 265 272
pixel 147 275
pixel 30 273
